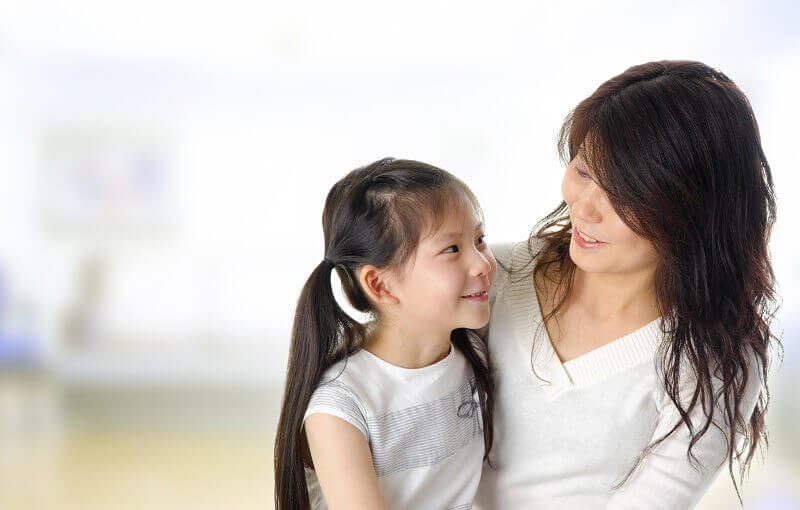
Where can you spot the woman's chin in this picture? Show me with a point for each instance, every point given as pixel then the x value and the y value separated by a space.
pixel 586 260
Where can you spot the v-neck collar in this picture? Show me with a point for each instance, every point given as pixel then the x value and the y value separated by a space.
pixel 549 371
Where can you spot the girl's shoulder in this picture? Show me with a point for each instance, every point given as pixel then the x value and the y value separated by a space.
pixel 340 393
pixel 363 386
pixel 350 370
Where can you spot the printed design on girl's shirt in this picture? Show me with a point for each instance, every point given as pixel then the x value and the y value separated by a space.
pixel 471 409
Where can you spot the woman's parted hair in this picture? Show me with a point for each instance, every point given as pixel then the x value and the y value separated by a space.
pixel 676 147
pixel 376 215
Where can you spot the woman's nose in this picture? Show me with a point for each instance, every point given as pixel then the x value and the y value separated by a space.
pixel 585 207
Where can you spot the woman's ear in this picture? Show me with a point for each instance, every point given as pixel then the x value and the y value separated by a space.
pixel 376 284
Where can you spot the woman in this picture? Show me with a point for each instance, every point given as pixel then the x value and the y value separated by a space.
pixel 630 333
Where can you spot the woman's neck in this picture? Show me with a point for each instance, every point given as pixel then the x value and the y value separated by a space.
pixel 607 295
pixel 406 347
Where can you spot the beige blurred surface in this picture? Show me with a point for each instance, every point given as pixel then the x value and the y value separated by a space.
pixel 188 448
pixel 63 448
pixel 113 469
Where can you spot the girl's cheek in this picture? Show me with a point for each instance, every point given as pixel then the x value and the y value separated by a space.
pixel 493 270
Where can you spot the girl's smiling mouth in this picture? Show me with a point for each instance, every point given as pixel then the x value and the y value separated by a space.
pixel 481 295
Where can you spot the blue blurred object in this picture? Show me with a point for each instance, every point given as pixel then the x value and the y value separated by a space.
pixel 16 348
pixel 784 498
pixel 2 296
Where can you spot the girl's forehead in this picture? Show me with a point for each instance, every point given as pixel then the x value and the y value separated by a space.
pixel 464 215
pixel 464 218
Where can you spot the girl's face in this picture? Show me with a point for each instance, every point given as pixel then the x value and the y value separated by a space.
pixel 601 241
pixel 445 284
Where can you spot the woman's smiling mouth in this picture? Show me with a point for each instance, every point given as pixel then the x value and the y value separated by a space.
pixel 583 240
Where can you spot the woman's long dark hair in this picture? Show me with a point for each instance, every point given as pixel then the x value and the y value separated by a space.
pixel 676 148
pixel 374 215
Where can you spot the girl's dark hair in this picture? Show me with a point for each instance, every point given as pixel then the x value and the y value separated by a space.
pixel 374 215
pixel 676 147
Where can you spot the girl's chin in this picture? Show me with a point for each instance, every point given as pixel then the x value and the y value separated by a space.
pixel 478 321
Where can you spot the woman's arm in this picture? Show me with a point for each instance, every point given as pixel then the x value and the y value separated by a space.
pixel 343 463
pixel 665 479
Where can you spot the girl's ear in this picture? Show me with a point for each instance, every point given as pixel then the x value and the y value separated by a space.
pixel 376 284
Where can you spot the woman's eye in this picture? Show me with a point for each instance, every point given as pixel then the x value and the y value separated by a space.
pixel 581 172
pixel 482 239
pixel 447 250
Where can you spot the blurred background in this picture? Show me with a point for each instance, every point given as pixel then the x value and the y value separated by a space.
pixel 163 167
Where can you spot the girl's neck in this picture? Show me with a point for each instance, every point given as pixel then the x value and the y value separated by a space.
pixel 407 348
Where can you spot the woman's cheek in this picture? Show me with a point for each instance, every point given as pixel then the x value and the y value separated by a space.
pixel 570 187
pixel 565 187
pixel 637 247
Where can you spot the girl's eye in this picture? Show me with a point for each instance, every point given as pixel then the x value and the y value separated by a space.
pixel 446 250
pixel 581 172
pixel 482 239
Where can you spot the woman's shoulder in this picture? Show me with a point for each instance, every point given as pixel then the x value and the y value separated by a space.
pixel 514 257
pixel 752 378
pixel 502 251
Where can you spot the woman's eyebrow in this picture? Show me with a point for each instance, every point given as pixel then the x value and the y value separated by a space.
pixel 581 154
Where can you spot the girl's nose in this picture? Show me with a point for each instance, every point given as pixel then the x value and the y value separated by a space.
pixel 481 265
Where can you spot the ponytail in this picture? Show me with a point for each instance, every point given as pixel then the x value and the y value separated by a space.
pixel 317 343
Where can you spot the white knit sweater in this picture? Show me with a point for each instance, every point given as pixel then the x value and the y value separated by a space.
pixel 564 439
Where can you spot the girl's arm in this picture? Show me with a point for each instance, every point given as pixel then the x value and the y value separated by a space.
pixel 343 463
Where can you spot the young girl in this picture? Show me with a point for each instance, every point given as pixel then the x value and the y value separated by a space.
pixel 396 413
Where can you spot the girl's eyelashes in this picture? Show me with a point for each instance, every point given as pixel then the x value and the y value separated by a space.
pixel 481 240
pixel 581 172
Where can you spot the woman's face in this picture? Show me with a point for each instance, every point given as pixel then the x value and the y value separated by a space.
pixel 601 241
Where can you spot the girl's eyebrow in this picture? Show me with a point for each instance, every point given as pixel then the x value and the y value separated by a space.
pixel 450 235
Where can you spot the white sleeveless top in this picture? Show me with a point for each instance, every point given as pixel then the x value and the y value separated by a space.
pixel 423 426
